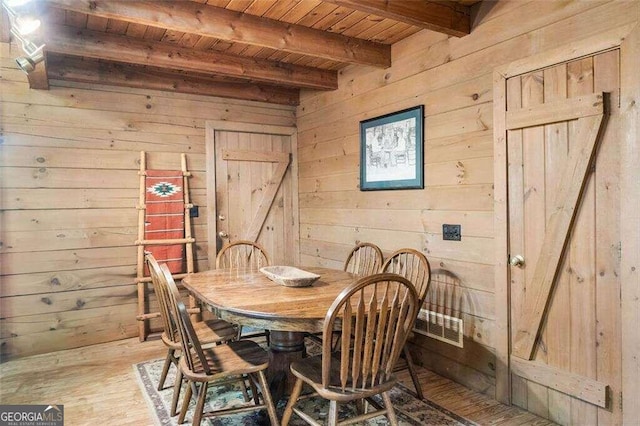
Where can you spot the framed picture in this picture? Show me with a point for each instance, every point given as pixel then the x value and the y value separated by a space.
pixel 391 154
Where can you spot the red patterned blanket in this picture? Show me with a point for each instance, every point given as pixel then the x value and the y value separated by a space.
pixel 164 217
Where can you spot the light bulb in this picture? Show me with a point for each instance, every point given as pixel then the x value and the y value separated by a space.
pixel 26 24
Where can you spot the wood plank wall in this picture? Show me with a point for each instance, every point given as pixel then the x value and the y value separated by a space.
pixel 452 78
pixel 69 165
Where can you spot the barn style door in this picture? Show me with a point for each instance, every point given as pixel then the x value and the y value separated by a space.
pixel 254 198
pixel 564 236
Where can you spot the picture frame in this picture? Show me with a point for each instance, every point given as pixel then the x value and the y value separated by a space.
pixel 391 151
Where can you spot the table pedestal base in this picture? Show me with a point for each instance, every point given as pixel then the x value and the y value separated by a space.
pixel 284 348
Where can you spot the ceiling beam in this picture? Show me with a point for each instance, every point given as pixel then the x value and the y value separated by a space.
pixel 209 21
pixel 38 77
pixel 5 26
pixel 99 45
pixel 444 16
pixel 68 68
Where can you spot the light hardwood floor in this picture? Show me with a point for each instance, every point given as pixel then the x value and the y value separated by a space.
pixel 96 384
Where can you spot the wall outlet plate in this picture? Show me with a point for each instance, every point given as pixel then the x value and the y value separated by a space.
pixel 451 232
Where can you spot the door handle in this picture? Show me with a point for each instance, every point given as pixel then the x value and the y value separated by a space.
pixel 223 234
pixel 517 260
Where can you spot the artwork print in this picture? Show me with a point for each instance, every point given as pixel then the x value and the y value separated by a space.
pixel 391 151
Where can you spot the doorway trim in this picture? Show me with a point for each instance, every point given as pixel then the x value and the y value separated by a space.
pixel 627 39
pixel 210 148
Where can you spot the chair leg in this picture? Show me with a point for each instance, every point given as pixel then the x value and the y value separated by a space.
pixel 202 396
pixel 391 414
pixel 413 372
pixel 165 368
pixel 332 417
pixel 254 390
pixel 297 389
pixel 185 403
pixel 239 335
pixel 177 386
pixel 266 396
pixel 245 395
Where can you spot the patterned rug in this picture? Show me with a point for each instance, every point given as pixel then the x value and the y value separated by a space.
pixel 409 409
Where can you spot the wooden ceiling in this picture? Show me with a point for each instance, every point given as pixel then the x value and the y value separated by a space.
pixel 264 50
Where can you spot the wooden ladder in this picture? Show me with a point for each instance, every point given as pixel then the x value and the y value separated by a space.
pixel 142 280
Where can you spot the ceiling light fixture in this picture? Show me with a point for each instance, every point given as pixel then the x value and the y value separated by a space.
pixel 29 47
pixel 23 20
pixel 24 24
pixel 26 64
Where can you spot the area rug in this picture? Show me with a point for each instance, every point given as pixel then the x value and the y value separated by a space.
pixel 409 409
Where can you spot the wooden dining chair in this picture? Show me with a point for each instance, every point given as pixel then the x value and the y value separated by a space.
pixel 415 267
pixel 365 259
pixel 203 366
pixel 379 310
pixel 211 332
pixel 243 254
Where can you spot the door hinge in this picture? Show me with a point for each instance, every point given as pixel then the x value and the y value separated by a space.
pixel 621 401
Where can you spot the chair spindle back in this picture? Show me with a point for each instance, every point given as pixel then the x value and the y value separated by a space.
pixel 242 254
pixel 412 265
pixel 380 311
pixel 191 346
pixel 365 259
pixel 170 328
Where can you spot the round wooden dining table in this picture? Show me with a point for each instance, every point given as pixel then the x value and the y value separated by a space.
pixel 249 298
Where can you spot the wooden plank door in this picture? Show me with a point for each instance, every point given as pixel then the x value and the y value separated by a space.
pixel 564 200
pixel 255 195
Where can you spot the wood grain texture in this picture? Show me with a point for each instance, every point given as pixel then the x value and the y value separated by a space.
pixel 572 384
pixel 223 24
pixel 555 236
pixel 249 297
pixel 68 256
pixel 629 214
pixel 70 371
pixel 335 215
pixel 99 45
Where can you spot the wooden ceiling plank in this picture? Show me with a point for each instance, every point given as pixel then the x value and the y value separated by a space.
pixel 154 33
pixel 347 22
pixel 97 23
pixel 329 21
pixel 209 21
pixel 135 30
pixel 75 42
pixel 115 27
pixel 401 35
pixel 239 5
pixel 363 25
pixel 90 71
pixel 446 17
pixel 290 10
pixel 189 40
pixel 259 7
pixel 318 13
pixel 378 28
pixel 76 18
